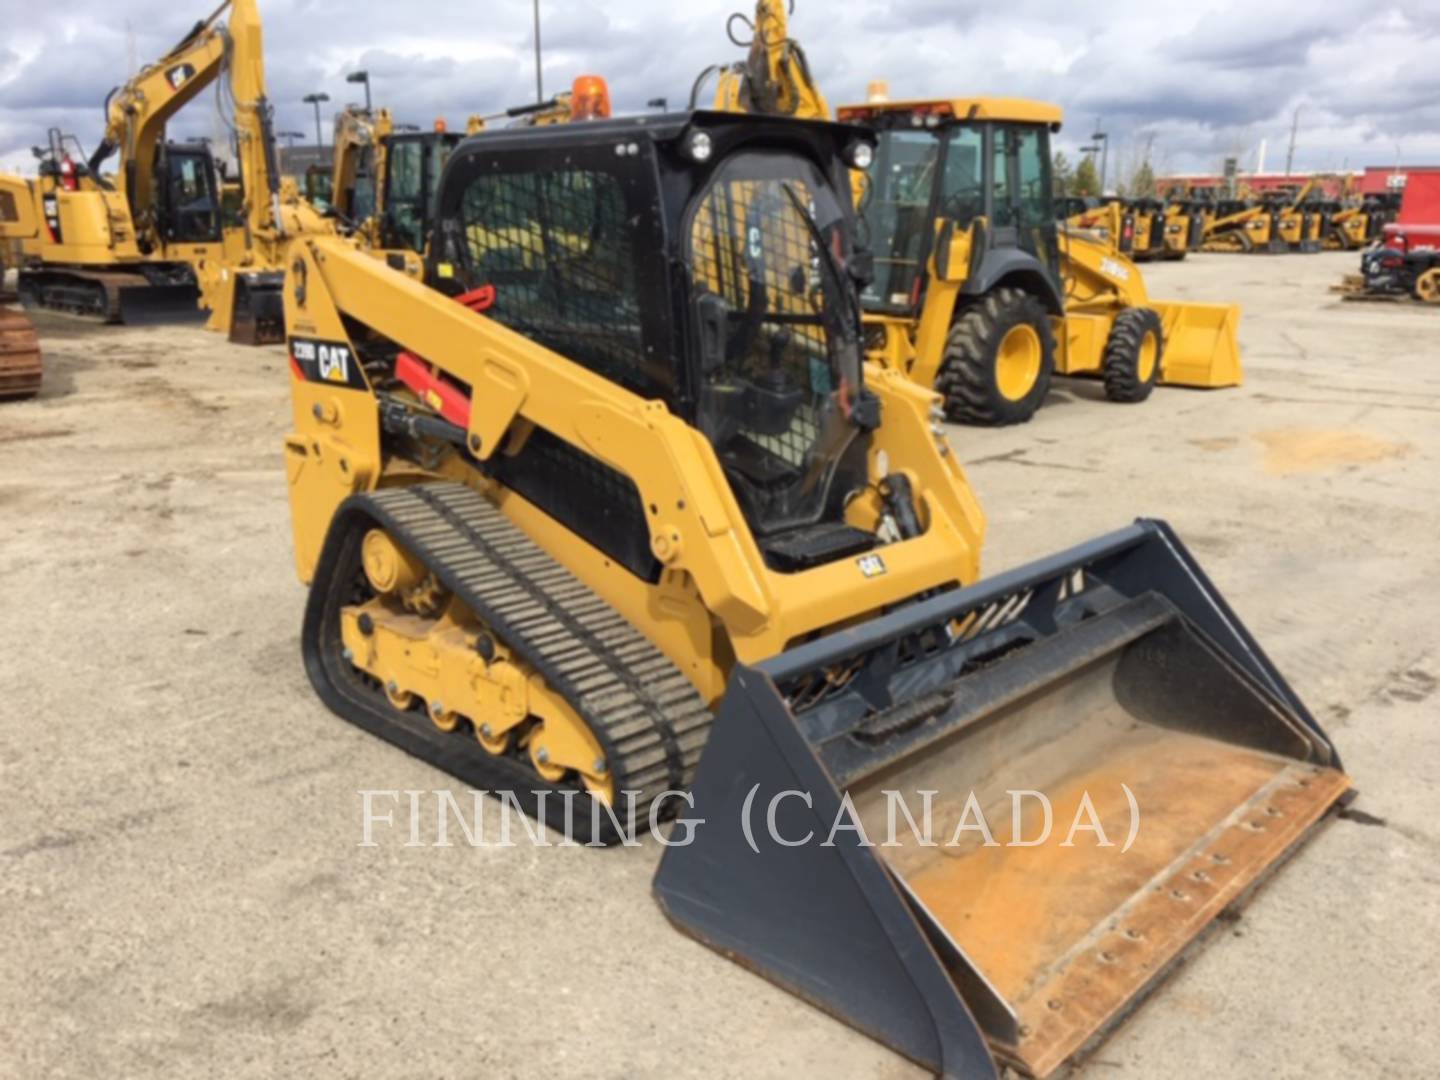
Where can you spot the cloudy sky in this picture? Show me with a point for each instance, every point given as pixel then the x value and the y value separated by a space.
pixel 1215 78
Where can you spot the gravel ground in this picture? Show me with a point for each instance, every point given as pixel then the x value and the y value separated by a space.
pixel 180 875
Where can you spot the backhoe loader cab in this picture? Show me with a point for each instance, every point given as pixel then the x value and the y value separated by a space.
pixel 980 293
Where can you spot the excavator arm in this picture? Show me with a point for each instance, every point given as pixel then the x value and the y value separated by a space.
pixel 774 78
pixel 137 112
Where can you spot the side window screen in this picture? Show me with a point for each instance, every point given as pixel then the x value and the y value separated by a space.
pixel 559 248
pixel 1033 198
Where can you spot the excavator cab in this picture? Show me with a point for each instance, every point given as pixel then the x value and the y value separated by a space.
pixel 413 163
pixel 187 194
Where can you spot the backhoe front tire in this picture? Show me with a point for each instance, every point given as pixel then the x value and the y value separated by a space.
pixel 998 359
pixel 1131 364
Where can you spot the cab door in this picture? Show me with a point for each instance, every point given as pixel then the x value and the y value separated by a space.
pixel 1022 200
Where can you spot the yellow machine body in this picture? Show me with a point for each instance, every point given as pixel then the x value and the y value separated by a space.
pixel 461 456
pixel 134 235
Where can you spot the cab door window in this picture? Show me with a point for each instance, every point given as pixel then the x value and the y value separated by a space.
pixel 192 211
pixel 962 191
pixel 405 195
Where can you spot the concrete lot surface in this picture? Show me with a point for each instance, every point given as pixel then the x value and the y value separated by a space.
pixel 180 878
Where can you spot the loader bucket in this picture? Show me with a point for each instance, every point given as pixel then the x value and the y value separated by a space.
pixel 1201 347
pixel 259 314
pixel 1110 683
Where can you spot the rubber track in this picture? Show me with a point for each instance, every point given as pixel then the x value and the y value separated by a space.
pixel 39 294
pixel 648 717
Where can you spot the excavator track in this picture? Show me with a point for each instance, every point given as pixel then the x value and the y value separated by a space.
pixel 20 369
pixel 647 717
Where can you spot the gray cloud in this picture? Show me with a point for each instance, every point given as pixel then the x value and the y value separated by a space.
pixel 1202 82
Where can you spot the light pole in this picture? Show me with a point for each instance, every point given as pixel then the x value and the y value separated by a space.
pixel 316 99
pixel 1102 140
pixel 658 103
pixel 1092 150
pixel 290 137
pixel 361 77
pixel 539 82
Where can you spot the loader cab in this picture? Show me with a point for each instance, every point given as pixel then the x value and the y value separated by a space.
pixel 413 164
pixel 705 260
pixel 952 165
pixel 187 194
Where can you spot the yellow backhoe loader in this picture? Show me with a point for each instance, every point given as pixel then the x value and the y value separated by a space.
pixel 149 239
pixel 620 524
pixel 977 292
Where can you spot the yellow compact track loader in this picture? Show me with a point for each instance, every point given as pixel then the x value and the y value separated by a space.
pixel 621 524
pixel 1163 230
pixel 148 241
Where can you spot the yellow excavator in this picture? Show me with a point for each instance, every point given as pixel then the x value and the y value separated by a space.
pixel 615 519
pixel 153 235
pixel 977 292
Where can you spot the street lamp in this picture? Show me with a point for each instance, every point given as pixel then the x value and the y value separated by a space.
pixel 316 99
pixel 1102 140
pixel 290 137
pixel 361 77
pixel 658 103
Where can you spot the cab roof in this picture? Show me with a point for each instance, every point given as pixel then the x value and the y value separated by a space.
pixel 1014 110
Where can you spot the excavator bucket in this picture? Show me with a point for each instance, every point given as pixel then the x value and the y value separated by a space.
pixel 983 827
pixel 1201 347
pixel 20 369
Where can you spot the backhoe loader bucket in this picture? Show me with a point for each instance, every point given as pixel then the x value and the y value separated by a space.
pixel 1201 347
pixel 1113 689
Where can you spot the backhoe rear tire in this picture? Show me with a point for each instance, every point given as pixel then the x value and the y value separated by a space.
pixel 998 359
pixel 1131 365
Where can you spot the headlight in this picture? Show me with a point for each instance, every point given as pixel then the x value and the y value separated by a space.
pixel 700 147
pixel 860 155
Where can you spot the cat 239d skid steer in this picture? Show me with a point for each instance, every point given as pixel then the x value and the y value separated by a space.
pixel 615 507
